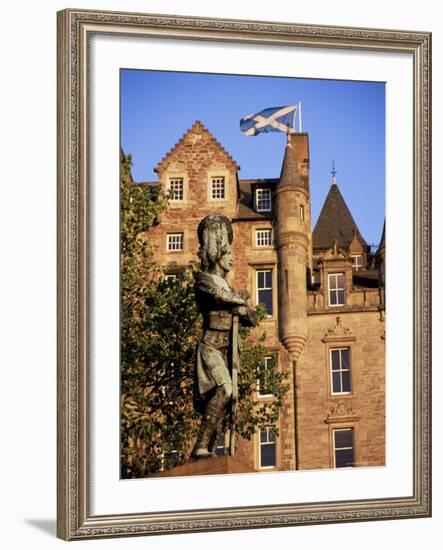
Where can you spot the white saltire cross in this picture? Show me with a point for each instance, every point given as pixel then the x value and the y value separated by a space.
pixel 270 121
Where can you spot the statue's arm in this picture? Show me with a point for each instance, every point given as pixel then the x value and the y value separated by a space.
pixel 220 295
pixel 247 316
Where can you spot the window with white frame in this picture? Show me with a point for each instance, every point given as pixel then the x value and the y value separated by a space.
pixel 263 200
pixel 357 262
pixel 264 289
pixel 344 448
pixel 340 363
pixel 336 289
pixel 171 277
pixel 174 242
pixel 264 371
pixel 267 450
pixel 217 187
pixel 263 237
pixel 176 189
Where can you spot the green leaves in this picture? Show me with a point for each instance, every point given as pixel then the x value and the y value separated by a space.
pixel 253 412
pixel 159 326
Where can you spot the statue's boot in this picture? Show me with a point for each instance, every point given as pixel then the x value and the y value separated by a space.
pixel 212 447
pixel 214 411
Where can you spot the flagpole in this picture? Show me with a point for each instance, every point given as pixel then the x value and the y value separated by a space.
pixel 299 116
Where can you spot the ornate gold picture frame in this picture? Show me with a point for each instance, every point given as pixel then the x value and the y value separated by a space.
pixel 77 515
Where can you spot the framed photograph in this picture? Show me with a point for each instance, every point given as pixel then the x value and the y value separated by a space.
pixel 243 274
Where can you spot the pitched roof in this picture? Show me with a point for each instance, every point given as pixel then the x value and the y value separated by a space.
pixel 196 128
pixel 335 222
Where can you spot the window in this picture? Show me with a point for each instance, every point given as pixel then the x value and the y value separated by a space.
pixel 336 284
pixel 357 262
pixel 267 448
pixel 174 242
pixel 218 187
pixel 263 201
pixel 263 382
pixel 170 277
pixel 264 289
pixel 344 448
pixel 340 370
pixel 302 213
pixel 263 237
pixel 175 189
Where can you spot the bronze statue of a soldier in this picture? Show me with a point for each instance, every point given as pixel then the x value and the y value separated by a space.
pixel 218 351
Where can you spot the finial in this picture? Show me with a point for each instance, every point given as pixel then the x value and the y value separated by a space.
pixel 335 247
pixel 334 172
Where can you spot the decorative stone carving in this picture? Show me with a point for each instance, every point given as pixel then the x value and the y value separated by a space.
pixel 341 413
pixel 335 253
pixel 341 410
pixel 338 333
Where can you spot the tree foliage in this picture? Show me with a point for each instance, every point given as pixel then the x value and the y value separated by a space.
pixel 160 330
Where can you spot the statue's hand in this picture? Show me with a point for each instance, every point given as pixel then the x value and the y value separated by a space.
pixel 240 310
pixel 240 301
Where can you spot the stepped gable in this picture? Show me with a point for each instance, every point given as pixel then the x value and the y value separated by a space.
pixel 188 139
pixel 335 223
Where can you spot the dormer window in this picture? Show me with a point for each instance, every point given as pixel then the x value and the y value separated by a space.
pixel 357 262
pixel 336 289
pixel 263 200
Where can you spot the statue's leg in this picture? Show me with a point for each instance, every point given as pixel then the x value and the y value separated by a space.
pixel 215 410
pixel 212 447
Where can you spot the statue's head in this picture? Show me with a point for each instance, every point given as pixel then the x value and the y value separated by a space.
pixel 215 237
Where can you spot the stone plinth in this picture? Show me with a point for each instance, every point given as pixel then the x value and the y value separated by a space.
pixel 208 466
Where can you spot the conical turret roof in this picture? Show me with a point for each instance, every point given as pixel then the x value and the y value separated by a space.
pixel 335 222
pixel 290 174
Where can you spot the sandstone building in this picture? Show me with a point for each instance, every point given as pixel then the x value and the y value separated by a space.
pixel 323 290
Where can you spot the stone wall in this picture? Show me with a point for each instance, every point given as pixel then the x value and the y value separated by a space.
pixel 319 412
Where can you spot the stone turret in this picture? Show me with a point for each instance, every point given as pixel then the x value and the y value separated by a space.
pixel 293 242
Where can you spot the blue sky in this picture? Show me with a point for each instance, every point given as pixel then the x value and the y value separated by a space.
pixel 345 121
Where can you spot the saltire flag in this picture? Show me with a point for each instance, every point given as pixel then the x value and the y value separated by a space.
pixel 273 119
